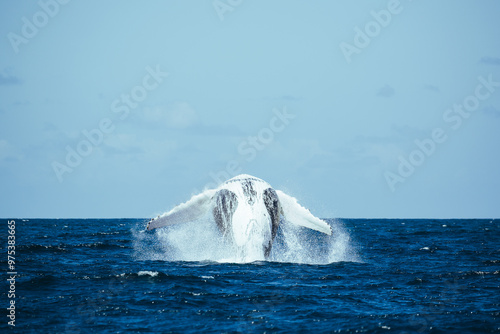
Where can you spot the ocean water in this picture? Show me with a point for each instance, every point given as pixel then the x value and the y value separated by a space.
pixel 370 276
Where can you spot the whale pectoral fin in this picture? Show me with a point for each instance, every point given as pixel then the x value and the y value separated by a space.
pixel 226 203
pixel 191 210
pixel 298 215
pixel 272 203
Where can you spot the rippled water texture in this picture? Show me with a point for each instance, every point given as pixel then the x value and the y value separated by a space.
pixel 373 275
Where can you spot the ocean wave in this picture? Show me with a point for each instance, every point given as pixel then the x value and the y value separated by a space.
pixel 66 247
pixel 147 272
pixel 103 245
pixel 480 273
pixel 42 248
pixel 41 281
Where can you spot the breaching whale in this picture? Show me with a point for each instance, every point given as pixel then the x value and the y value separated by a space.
pixel 247 211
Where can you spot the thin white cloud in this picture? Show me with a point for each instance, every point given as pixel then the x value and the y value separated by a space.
pixel 134 145
pixel 180 115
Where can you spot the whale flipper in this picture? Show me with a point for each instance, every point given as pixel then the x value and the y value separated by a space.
pixel 298 215
pixel 226 203
pixel 191 210
pixel 273 207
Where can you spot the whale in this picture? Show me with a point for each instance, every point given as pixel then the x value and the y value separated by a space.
pixel 247 212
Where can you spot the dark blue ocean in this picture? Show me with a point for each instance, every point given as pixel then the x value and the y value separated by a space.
pixel 380 276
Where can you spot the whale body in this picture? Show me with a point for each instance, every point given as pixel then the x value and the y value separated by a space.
pixel 247 211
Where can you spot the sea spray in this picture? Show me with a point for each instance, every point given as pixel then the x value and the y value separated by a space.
pixel 200 240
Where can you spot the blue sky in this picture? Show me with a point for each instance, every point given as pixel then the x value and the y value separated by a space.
pixel 348 106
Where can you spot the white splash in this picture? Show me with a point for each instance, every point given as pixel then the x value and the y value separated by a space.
pixel 200 240
pixel 147 272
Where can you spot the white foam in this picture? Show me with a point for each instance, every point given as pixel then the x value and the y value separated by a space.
pixel 200 241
